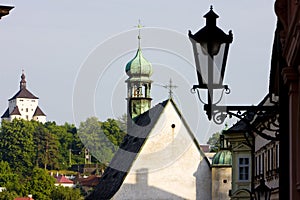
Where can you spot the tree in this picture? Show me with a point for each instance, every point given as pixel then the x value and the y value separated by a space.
pixel 46 146
pixel 93 136
pixel 65 193
pixel 113 131
pixel 76 147
pixel 214 142
pixel 64 139
pixel 40 184
pixel 16 144
pixel 122 123
pixel 8 195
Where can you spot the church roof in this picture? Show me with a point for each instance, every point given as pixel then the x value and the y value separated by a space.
pixel 23 93
pixel 38 112
pixel 15 111
pixel 116 172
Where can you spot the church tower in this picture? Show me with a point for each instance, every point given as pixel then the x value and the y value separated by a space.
pixel 138 98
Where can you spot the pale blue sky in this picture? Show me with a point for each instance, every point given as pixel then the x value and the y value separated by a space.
pixel 51 40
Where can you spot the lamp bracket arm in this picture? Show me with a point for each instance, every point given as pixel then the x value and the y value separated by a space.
pixel 247 114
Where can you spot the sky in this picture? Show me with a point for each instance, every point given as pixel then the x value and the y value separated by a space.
pixel 74 54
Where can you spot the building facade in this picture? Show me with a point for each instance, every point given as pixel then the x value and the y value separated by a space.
pixel 286 82
pixel 241 146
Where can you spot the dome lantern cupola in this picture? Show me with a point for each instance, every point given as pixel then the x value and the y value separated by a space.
pixel 138 66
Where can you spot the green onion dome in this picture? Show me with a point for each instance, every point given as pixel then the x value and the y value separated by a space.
pixel 138 66
pixel 222 158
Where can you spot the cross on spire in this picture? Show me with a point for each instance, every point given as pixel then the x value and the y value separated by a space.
pixel 170 86
pixel 139 26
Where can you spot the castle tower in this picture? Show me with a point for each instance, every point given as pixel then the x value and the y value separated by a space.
pixel 24 105
pixel 138 98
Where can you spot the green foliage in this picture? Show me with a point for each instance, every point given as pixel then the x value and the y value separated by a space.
pixel 17 145
pixel 214 142
pixel 101 138
pixel 65 193
pixel 113 131
pixel 6 175
pixel 28 148
pixel 122 122
pixel 8 195
pixel 46 148
pixel 91 134
pixel 41 184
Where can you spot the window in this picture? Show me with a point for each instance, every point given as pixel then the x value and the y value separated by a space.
pixel 272 158
pixel 26 109
pixel 244 169
pixel 277 156
pixel 32 100
pixel 269 160
pixel 257 165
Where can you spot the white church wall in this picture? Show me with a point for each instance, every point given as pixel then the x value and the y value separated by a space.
pixel 168 165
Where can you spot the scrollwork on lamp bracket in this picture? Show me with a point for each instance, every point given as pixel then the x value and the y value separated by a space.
pixel 248 114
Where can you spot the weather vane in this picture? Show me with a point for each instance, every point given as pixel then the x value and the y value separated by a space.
pixel 170 86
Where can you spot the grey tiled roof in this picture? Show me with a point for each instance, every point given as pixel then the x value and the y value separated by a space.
pixel 23 93
pixel 15 111
pixel 38 112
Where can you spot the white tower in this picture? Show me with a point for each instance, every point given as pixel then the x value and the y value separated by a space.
pixel 24 105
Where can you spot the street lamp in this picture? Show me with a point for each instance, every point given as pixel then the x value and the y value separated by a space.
pixel 211 46
pixel 262 192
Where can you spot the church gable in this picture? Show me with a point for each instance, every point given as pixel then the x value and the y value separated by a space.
pixel 114 175
pixel 169 159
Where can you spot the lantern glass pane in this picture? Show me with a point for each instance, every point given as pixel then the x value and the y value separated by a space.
pixel 215 48
pixel 203 62
pixel 218 62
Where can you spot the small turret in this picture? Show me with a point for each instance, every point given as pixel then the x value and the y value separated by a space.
pixel 23 81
